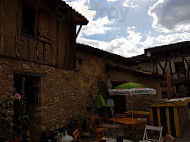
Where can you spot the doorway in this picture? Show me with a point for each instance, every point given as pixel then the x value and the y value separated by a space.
pixel 24 117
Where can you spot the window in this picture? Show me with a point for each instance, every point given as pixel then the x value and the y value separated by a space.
pixel 179 67
pixel 28 20
pixel 44 25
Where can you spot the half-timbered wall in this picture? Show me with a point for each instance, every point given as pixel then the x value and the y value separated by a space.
pixel 174 60
pixel 1 27
pixel 178 67
pixel 50 38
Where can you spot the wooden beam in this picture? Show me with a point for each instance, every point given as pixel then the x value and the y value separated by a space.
pixel 157 67
pixel 183 60
pixel 159 117
pixel 1 28
pixel 151 114
pixel 170 65
pixel 18 29
pixel 186 61
pixel 28 42
pixel 36 50
pixel 163 68
pixel 57 43
pixel 153 66
pixel 78 31
pixel 168 119
pixel 176 122
pixel 44 52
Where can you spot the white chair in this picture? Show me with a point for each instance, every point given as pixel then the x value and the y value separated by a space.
pixel 115 140
pixel 152 134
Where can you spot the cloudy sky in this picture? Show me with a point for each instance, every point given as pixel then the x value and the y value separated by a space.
pixel 127 27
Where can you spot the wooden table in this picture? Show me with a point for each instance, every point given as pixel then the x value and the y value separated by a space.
pixel 138 114
pixel 127 124
pixel 126 121
pixel 176 114
pixel 145 113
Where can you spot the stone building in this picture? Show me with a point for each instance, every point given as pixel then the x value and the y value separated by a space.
pixel 37 60
pixel 173 60
pixel 99 65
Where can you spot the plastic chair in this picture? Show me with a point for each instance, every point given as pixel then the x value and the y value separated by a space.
pixel 119 115
pixel 76 135
pixel 149 133
pixel 169 138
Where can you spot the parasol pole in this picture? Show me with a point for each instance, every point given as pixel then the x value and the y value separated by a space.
pixel 131 102
pixel 132 106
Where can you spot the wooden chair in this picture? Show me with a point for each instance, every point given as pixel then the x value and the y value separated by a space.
pixel 169 138
pixel 97 119
pixel 152 133
pixel 76 135
pixel 98 123
pixel 119 115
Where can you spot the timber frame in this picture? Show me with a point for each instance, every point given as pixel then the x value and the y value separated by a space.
pixel 173 58
pixel 54 39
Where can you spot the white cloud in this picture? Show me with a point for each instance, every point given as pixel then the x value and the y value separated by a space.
pixel 94 43
pixel 133 44
pixel 130 4
pixel 83 6
pixel 100 26
pixel 112 0
pixel 171 15
pixel 131 27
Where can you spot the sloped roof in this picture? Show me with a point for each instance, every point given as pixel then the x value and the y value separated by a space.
pixel 164 51
pixel 169 47
pixel 77 17
pixel 101 53
pixel 119 67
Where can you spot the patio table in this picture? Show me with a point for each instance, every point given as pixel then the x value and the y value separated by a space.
pixel 127 125
pixel 126 121
pixel 146 113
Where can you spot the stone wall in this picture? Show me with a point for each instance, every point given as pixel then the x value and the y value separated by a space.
pixel 140 102
pixel 61 98
pixel 95 67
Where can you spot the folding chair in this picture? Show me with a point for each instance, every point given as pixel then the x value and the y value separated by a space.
pixel 76 135
pixel 152 133
pixel 119 115
pixel 169 138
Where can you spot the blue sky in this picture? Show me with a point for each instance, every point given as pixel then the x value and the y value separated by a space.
pixel 127 27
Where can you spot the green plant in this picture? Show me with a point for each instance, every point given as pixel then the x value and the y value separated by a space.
pixel 6 112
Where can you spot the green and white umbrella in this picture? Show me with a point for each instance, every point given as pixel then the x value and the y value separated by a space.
pixel 132 89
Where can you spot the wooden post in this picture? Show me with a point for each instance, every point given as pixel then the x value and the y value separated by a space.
pixel 1 28
pixel 168 120
pixel 176 122
pixel 150 114
pixel 158 116
pixel 57 43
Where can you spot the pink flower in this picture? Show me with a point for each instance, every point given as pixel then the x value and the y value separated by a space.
pixel 17 96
